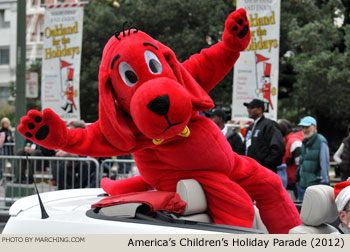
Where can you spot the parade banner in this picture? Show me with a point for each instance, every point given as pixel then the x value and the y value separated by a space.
pixel 256 70
pixel 63 30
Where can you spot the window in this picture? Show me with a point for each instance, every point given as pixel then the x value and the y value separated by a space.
pixel 3 23
pixel 41 31
pixel 4 94
pixel 4 56
pixel 32 37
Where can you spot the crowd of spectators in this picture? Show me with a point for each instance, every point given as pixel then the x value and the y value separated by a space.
pixel 299 155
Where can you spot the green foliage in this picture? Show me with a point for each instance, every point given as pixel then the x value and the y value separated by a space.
pixel 320 65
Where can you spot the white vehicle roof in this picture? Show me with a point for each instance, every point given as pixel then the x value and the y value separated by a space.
pixel 67 210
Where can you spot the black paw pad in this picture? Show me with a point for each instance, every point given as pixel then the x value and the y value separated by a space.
pixel 38 119
pixel 240 21
pixel 42 133
pixel 31 126
pixel 234 28
pixel 28 134
pixel 243 32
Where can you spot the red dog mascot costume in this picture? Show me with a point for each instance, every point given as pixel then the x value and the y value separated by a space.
pixel 149 105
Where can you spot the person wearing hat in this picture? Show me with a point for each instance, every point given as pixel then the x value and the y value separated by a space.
pixel 314 158
pixel 219 117
pixel 342 201
pixel 263 139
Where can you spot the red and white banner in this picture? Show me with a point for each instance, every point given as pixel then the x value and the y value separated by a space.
pixel 63 30
pixel 256 71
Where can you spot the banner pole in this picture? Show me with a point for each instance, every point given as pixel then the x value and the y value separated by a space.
pixel 20 99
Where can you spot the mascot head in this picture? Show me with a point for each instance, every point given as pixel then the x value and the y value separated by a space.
pixel 144 89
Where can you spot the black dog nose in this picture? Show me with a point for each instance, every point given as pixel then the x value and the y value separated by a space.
pixel 160 105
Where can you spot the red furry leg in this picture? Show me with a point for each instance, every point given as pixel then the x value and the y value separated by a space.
pixel 133 184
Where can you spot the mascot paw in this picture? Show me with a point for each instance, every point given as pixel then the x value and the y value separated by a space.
pixel 237 32
pixel 46 129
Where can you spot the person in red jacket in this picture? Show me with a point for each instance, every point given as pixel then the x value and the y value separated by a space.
pixel 293 141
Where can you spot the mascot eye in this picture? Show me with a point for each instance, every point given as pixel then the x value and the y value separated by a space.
pixel 128 74
pixel 153 62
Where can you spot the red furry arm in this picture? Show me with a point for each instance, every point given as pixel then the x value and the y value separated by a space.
pixel 90 142
pixel 211 65
pixel 116 187
pixel 49 130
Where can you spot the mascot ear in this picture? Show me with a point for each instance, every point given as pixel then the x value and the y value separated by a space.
pixel 115 125
pixel 201 101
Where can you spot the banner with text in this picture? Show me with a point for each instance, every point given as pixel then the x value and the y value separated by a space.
pixel 256 70
pixel 63 30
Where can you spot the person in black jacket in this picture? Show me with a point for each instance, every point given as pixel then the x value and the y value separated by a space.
pixel 342 157
pixel 263 140
pixel 6 137
pixel 219 117
pixel 31 149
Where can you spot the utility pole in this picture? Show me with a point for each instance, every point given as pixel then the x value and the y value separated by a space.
pixel 20 99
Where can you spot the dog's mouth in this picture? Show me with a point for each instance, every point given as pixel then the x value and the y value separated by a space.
pixel 184 133
pixel 169 124
pixel 160 106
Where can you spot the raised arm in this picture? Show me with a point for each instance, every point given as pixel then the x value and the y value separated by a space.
pixel 212 64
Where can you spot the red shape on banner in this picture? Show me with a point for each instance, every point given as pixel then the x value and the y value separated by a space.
pixel 260 58
pixel 267 71
pixel 70 73
pixel 65 64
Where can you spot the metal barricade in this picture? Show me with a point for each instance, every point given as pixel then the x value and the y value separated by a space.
pixel 118 168
pixel 7 149
pixel 50 173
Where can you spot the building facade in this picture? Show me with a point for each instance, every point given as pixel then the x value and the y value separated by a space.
pixel 34 38
pixel 8 19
